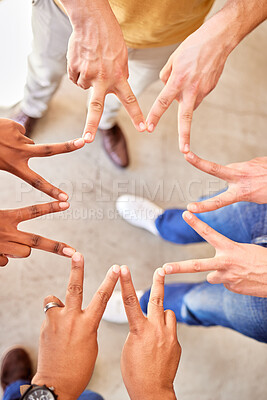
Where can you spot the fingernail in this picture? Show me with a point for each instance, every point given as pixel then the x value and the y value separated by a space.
pixel 192 207
pixel 187 215
pixel 116 269
pixel 124 270
pixel 161 272
pixel 168 268
pixel 190 155
pixel 142 126
pixel 76 257
pixel 89 137
pixel 186 148
pixel 150 127
pixel 63 196
pixel 63 205
pixel 68 251
pixel 78 142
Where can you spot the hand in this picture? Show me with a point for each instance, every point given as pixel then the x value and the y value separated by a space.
pixel 97 57
pixel 18 244
pixel 242 268
pixel 151 353
pixel 68 340
pixel 247 182
pixel 16 150
pixel 190 74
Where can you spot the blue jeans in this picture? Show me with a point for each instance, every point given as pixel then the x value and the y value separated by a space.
pixel 12 392
pixel 242 222
pixel 205 304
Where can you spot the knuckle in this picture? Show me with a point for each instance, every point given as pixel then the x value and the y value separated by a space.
pixel 130 99
pixel 163 102
pixel 34 211
pixel 196 265
pixel 187 116
pixel 58 247
pixel 130 300
pixel 75 290
pixel 37 183
pixel 157 301
pixel 103 296
pixel 68 146
pixel 36 240
pixel 96 106
pixel 215 168
pixel 47 150
pixel 207 230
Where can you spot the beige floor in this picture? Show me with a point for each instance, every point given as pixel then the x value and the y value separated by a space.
pixel 229 126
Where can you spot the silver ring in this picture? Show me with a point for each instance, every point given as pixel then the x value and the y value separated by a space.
pixel 51 305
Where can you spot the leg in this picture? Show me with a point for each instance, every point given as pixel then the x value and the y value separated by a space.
pixel 250 218
pixel 47 62
pixel 89 395
pixel 144 69
pixel 208 305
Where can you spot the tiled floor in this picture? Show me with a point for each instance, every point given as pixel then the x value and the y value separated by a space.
pixel 229 126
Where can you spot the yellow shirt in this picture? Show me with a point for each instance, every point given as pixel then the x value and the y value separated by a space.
pixel 155 23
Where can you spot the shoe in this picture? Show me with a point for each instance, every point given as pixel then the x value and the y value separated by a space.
pixel 115 145
pixel 139 212
pixel 26 121
pixel 16 365
pixel 115 311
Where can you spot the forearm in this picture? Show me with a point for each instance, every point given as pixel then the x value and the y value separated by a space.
pixel 237 19
pixel 79 11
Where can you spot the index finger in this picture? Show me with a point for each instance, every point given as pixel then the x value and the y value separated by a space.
pixel 185 116
pixel 225 173
pixel 130 300
pixel 74 295
pixel 161 104
pixel 97 306
pixel 155 309
pixel 35 211
pixel 47 150
pixel 95 111
pixel 192 266
pixel 209 234
pixel 130 103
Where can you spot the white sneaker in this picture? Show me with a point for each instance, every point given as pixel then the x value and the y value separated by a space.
pixel 139 212
pixel 115 311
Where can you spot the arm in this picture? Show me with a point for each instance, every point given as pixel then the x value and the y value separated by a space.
pixel 97 56
pixel 194 69
pixel 247 181
pixel 242 268
pixel 68 341
pixel 151 353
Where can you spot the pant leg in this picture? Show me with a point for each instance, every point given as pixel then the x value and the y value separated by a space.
pixel 242 222
pixel 209 305
pixel 47 62
pixel 144 68
pixel 89 395
pixel 12 391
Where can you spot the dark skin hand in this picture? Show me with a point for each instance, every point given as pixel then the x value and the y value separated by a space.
pixel 16 150
pixel 17 244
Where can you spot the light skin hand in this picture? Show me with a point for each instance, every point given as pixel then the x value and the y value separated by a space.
pixel 194 69
pixel 16 150
pixel 98 58
pixel 17 244
pixel 68 342
pixel 241 268
pixel 247 181
pixel 151 353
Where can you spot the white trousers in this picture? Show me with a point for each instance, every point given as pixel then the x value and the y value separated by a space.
pixel 47 63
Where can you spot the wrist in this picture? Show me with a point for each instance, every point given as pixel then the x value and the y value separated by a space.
pixel 51 383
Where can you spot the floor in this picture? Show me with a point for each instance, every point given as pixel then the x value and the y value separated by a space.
pixel 229 126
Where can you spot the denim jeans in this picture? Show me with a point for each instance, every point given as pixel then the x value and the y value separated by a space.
pixel 12 392
pixel 242 222
pixel 205 304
